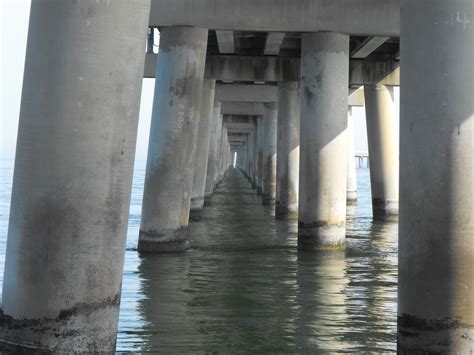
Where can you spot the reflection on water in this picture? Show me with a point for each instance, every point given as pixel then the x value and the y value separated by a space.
pixel 243 287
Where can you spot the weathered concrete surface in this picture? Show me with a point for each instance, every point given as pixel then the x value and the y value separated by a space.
pixel 269 153
pixel 202 147
pixel 173 135
pixel 213 144
pixel 323 146
pixel 376 69
pixel 255 156
pixel 361 17
pixel 436 249
pixel 351 164
pixel 242 108
pixel 246 92
pixel 383 151
pixel 73 174
pixel 260 140
pixel 288 151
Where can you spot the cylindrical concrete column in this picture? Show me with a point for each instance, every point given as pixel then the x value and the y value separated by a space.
pixel 270 112
pixel 436 249
pixel 351 164
pixel 255 156
pixel 73 175
pixel 173 135
pixel 202 147
pixel 383 151
pixel 288 150
pixel 259 155
pixel 211 161
pixel 323 149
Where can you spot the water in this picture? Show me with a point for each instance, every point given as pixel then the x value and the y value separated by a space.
pixel 243 287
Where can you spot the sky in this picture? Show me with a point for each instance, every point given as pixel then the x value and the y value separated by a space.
pixel 14 16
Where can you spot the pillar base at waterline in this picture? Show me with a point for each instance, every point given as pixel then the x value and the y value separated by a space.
pixel 259 191
pixel 268 200
pixel 168 241
pixel 285 213
pixel 321 236
pixel 385 210
pixel 351 198
pixel 68 331
pixel 197 208
pixel 428 336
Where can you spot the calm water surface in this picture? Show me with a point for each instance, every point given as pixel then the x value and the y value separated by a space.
pixel 243 287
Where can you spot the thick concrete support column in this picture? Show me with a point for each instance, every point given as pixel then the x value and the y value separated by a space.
pixel 383 152
pixel 351 164
pixel 270 112
pixel 323 164
pixel 173 135
pixel 73 175
pixel 202 147
pixel 255 157
pixel 211 161
pixel 288 151
pixel 436 249
pixel 260 139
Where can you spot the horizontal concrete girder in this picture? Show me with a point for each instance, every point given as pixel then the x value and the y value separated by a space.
pixel 372 70
pixel 370 44
pixel 241 108
pixel 355 17
pixel 262 93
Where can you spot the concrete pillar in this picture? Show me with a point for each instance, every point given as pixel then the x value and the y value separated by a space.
pixel 173 134
pixel 270 111
pixel 255 156
pixel 383 152
pixel 260 137
pixel 436 249
pixel 323 149
pixel 288 155
pixel 351 164
pixel 73 175
pixel 202 147
pixel 211 161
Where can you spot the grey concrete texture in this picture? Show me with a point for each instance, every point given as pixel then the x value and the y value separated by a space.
pixel 376 69
pixel 383 151
pixel 362 17
pixel 436 249
pixel 211 162
pixel 202 145
pixel 323 143
pixel 270 117
pixel 173 137
pixel 288 151
pixel 260 139
pixel 73 175
pixel 351 162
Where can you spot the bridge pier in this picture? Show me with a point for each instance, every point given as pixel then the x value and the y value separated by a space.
pixel 213 143
pixel 288 151
pixel 383 151
pixel 73 175
pixel 323 149
pixel 270 112
pixel 260 139
pixel 202 147
pixel 173 135
pixel 436 249
pixel 351 164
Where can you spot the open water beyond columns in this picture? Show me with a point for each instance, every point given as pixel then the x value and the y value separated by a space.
pixel 242 286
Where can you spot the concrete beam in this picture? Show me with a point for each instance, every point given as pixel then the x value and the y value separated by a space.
pixel 225 41
pixel 273 43
pixel 246 93
pixel 356 97
pixel 356 17
pixel 241 108
pixel 378 69
pixel 369 45
pixel 239 127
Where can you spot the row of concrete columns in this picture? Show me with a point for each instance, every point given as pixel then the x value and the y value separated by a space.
pixel 74 163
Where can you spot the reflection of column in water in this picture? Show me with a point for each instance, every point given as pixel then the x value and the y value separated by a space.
pixel 322 323
pixel 372 288
pixel 163 303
